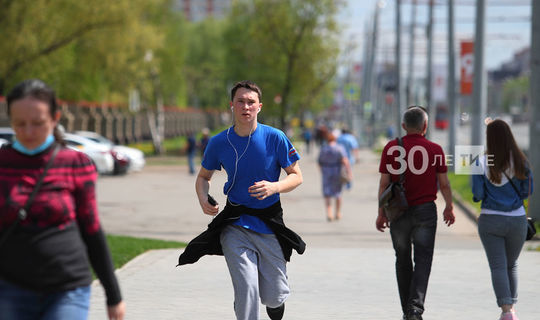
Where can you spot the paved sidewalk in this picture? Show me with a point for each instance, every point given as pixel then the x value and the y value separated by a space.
pixel 347 271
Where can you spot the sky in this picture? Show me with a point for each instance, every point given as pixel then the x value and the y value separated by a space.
pixel 507 29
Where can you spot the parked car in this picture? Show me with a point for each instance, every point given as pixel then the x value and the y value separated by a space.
pixel 121 162
pixel 136 156
pixel 99 153
pixel 3 141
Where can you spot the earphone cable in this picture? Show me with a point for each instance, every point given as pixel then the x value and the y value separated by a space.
pixel 237 159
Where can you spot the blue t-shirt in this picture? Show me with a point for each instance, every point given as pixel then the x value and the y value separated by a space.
pixel 268 152
pixel 348 141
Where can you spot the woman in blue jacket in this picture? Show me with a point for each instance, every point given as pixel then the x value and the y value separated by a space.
pixel 502 225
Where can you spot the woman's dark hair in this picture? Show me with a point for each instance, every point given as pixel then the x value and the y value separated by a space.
pixel 247 85
pixel 39 90
pixel 502 146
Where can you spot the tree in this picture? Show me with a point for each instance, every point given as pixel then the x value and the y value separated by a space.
pixel 35 29
pixel 288 46
pixel 205 64
pixel 516 93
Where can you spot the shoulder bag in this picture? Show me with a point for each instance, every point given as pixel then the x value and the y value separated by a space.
pixel 393 199
pixel 531 229
pixel 23 212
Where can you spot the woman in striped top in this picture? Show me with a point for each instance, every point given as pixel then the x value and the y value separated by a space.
pixel 45 260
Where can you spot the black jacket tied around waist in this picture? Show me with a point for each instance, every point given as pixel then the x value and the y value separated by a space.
pixel 208 242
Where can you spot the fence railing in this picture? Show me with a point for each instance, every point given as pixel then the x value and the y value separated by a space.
pixel 122 126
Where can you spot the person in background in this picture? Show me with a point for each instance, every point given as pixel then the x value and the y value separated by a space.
pixel 45 254
pixel 191 148
pixel 307 135
pixel 332 159
pixel 502 225
pixel 204 140
pixel 349 142
pixel 414 232
pixel 249 231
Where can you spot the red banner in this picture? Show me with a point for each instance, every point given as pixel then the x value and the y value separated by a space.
pixel 467 67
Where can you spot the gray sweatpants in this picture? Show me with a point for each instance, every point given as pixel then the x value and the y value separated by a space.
pixel 257 268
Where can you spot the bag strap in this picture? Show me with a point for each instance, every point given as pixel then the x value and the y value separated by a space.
pixel 402 175
pixel 516 189
pixel 23 212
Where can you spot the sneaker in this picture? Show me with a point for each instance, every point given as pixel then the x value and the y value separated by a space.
pixel 508 316
pixel 276 313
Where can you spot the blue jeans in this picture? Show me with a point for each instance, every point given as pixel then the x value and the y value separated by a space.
pixel 417 227
pixel 503 238
pixel 22 304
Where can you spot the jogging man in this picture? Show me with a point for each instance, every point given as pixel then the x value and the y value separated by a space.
pixel 250 231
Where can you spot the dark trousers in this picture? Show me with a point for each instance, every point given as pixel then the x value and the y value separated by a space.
pixel 416 228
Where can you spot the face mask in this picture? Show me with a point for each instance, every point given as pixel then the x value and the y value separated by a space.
pixel 22 149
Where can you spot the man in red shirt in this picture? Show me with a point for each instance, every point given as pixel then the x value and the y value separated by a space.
pixel 423 164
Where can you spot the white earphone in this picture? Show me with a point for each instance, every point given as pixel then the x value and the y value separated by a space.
pixel 237 159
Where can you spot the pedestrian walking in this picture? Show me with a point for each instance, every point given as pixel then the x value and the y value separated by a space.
pixel 249 231
pixel 191 148
pixel 334 165
pixel 349 142
pixel 49 226
pixel 307 135
pixel 506 181
pixel 424 168
pixel 203 142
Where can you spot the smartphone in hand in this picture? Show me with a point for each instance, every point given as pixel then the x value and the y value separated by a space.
pixel 211 200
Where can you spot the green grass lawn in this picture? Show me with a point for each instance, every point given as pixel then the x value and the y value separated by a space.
pixel 461 184
pixel 123 248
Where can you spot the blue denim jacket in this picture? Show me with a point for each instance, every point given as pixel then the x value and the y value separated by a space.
pixel 503 196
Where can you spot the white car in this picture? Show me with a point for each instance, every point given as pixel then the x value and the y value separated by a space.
pixel 3 141
pixel 99 153
pixel 136 156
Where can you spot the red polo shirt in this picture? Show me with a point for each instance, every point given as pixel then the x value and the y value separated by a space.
pixel 422 159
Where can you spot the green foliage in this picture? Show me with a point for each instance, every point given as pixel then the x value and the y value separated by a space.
pixel 515 92
pixel 124 249
pixel 37 34
pixel 100 50
pixel 205 64
pixel 287 46
pixel 461 184
pixel 173 146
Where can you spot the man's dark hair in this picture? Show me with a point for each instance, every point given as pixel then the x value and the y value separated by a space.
pixel 415 117
pixel 247 85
